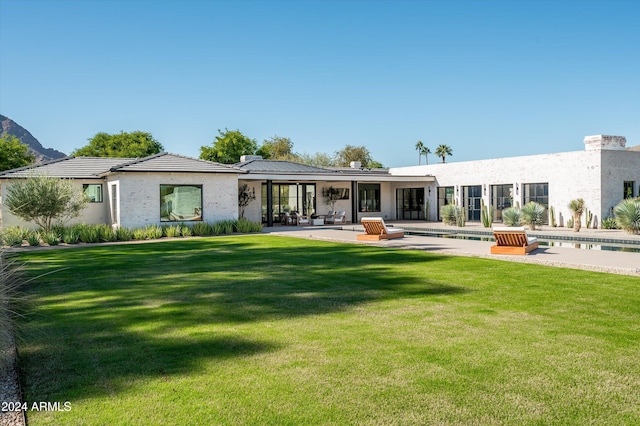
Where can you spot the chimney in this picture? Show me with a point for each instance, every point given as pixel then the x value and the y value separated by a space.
pixel 244 158
pixel 602 142
pixel 355 164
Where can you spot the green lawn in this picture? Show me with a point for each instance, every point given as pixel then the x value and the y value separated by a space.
pixel 274 330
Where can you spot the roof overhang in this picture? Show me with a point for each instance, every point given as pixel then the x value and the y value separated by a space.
pixel 331 177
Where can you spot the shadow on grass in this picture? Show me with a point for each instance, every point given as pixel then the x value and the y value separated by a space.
pixel 126 312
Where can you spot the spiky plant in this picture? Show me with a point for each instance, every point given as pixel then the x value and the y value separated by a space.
pixel 627 214
pixel 511 216
pixel 448 214
pixel 532 214
pixel 577 207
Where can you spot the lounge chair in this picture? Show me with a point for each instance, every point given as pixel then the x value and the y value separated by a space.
pixel 513 240
pixel 375 230
pixel 303 220
pixel 340 217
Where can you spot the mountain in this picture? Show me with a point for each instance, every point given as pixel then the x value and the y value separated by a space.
pixel 10 127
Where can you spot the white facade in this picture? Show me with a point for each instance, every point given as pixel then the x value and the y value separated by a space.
pixel 597 175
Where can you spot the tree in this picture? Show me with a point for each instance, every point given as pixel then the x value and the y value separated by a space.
pixel 349 153
pixel 14 153
pixel 45 200
pixel 443 150
pixel 136 144
pixel 577 207
pixel 426 151
pixel 228 147
pixel 319 159
pixel 245 196
pixel 277 148
pixel 419 148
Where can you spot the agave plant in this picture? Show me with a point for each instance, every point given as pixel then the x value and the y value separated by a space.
pixel 577 207
pixel 511 216
pixel 532 214
pixel 448 214
pixel 627 214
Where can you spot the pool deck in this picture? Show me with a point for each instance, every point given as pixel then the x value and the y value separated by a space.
pixel 618 262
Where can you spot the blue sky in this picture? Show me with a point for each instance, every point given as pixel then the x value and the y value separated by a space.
pixel 488 78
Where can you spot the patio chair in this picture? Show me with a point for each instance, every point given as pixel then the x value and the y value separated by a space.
pixel 340 217
pixel 513 240
pixel 329 217
pixel 303 220
pixel 375 230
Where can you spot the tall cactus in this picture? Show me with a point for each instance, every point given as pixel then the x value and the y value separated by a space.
pixel 552 217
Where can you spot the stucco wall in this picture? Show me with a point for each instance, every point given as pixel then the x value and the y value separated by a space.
pixel 618 167
pixel 570 175
pixel 139 196
pixel 94 213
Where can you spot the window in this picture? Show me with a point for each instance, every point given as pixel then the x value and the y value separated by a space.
pixel 628 189
pixel 180 202
pixel 445 197
pixel 538 192
pixel 298 197
pixel 410 203
pixel 369 197
pixel 501 198
pixel 93 192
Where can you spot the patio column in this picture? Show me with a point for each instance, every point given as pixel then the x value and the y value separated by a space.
pixel 269 203
pixel 354 201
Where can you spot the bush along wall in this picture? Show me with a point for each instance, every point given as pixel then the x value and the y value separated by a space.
pixel 16 236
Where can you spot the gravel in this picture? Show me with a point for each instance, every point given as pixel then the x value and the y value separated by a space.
pixel 10 389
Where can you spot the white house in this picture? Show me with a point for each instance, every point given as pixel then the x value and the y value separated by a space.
pixel 167 188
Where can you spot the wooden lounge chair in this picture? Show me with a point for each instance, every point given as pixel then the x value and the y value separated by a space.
pixel 375 230
pixel 512 240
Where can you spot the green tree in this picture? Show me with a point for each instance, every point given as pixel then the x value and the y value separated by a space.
pixel 45 200
pixel 319 159
pixel 577 207
pixel 228 147
pixel 349 153
pixel 136 144
pixel 277 148
pixel 420 148
pixel 426 151
pixel 443 150
pixel 14 153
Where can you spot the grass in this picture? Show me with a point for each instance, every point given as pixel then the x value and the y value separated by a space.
pixel 274 330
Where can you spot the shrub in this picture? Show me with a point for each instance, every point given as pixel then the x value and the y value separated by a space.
pixel 608 223
pixel 448 214
pixel 13 236
pixel 153 232
pixel 202 229
pixel 577 207
pixel 71 235
pixel 172 231
pixel 9 283
pixel 224 227
pixel 186 231
pixel 627 214
pixel 124 234
pixel 51 237
pixel 140 234
pixel 532 214
pixel 245 226
pixel 89 234
pixel 511 216
pixel 33 238
pixel 106 233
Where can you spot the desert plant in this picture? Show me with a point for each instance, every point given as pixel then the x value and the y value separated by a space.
pixel 459 216
pixel 245 226
pixel 627 214
pixel 511 216
pixel 577 207
pixel 552 217
pixel 225 227
pixel 532 214
pixel 608 223
pixel 153 232
pixel 172 231
pixel 106 233
pixel 588 217
pixel 486 214
pixel 140 234
pixel 13 236
pixel 71 235
pixel 9 283
pixel 89 234
pixel 33 238
pixel 124 234
pixel 245 196
pixel 50 237
pixel 570 223
pixel 448 214
pixel 202 229
pixel 186 231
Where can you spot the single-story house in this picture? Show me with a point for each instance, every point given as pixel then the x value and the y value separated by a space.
pixel 167 188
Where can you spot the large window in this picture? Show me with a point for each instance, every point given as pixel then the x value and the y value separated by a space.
pixel 93 192
pixel 298 197
pixel 180 202
pixel 472 197
pixel 410 203
pixel 538 192
pixel 369 197
pixel 628 189
pixel 501 198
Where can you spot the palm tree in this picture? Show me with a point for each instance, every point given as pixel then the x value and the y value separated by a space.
pixel 443 150
pixel 426 151
pixel 420 148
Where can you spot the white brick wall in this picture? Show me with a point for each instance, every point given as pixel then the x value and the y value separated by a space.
pixel 139 196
